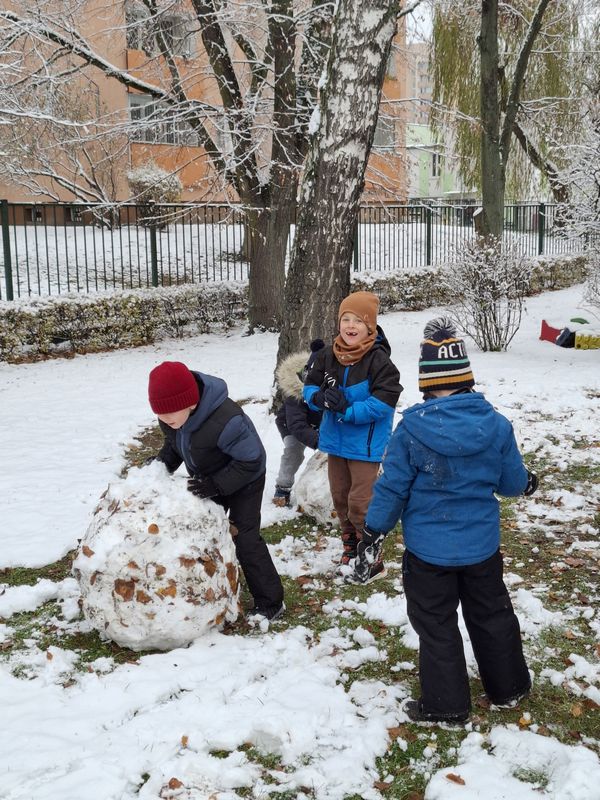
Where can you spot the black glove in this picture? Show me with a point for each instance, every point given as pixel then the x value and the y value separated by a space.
pixel 318 399
pixel 368 553
pixel 202 487
pixel 335 400
pixel 532 483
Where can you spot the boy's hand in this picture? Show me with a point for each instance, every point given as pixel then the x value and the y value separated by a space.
pixel 368 553
pixel 202 487
pixel 335 400
pixel 532 483
pixel 318 399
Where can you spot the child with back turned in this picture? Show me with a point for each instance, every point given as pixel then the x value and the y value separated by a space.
pixel 444 464
pixel 356 385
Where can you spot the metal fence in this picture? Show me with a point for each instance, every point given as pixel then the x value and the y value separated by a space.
pixel 54 248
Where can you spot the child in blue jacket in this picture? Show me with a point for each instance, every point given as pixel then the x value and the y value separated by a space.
pixel 445 463
pixel 356 385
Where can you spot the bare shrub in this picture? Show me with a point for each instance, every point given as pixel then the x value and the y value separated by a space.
pixel 592 286
pixel 488 284
pixel 151 186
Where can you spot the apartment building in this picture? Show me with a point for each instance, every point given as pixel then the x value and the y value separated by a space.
pixel 146 131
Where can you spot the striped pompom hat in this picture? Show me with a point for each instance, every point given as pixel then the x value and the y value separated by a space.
pixel 444 363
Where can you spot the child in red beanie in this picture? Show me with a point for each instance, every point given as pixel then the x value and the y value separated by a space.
pixel 226 460
pixel 356 385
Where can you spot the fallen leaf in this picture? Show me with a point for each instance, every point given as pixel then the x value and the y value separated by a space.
pixel 570 635
pixel 49 655
pixel 167 591
pixel 142 597
pixel 398 732
pixel 187 562
pixel 87 551
pixel 175 783
pixel 382 785
pixel 524 722
pixel 132 565
pixel 575 562
pixel 124 589
pixel 576 710
pixel 184 741
pixel 210 567
pixel 451 776
pixel 153 528
pixel 232 576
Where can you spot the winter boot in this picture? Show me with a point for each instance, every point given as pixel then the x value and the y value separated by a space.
pixel 414 712
pixel 350 542
pixel 281 497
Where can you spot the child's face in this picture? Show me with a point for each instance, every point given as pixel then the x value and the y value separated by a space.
pixel 177 418
pixel 352 329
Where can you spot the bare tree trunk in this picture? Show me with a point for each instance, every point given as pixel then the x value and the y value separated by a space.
pixel 319 272
pixel 268 234
pixel 493 171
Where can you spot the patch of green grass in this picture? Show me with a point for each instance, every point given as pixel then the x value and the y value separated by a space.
pixel 29 576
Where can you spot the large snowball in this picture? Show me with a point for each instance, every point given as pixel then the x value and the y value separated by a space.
pixel 312 491
pixel 157 566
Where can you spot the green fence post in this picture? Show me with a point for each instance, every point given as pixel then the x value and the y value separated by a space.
pixel 541 227
pixel 428 232
pixel 6 249
pixel 153 247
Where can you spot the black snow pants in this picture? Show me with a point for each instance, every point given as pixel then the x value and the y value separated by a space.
pixel 432 597
pixel 251 549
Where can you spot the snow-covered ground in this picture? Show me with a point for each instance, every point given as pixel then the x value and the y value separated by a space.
pixel 158 724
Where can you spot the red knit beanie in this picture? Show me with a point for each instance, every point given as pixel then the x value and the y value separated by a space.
pixel 172 387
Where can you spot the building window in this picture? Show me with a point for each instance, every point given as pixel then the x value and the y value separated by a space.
pixel 384 139
pixel 156 124
pixel 436 165
pixel 142 30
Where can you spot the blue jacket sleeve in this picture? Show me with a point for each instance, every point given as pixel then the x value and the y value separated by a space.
pixel 513 477
pixel 392 488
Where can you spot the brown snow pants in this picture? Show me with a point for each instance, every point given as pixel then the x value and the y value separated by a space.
pixel 351 483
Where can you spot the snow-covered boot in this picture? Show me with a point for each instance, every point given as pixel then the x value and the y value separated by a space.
pixel 281 497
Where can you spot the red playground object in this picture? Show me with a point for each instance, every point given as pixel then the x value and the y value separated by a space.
pixel 548 333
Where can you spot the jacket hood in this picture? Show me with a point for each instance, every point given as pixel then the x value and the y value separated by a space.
pixel 381 341
pixel 287 375
pixel 457 425
pixel 213 391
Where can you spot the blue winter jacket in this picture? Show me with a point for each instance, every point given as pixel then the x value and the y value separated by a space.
pixel 444 463
pixel 371 387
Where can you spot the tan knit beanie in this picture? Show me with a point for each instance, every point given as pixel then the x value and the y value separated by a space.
pixel 365 305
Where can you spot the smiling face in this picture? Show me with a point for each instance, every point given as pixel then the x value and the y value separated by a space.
pixel 176 418
pixel 352 329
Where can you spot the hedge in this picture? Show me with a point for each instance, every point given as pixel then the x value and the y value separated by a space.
pixel 67 324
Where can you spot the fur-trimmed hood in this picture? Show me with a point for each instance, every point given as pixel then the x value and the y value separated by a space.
pixel 287 376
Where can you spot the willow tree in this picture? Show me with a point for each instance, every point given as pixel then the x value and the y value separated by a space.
pixel 502 73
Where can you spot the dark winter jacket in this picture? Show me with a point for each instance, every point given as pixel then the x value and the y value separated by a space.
pixel 443 465
pixel 371 387
pixel 295 418
pixel 217 441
